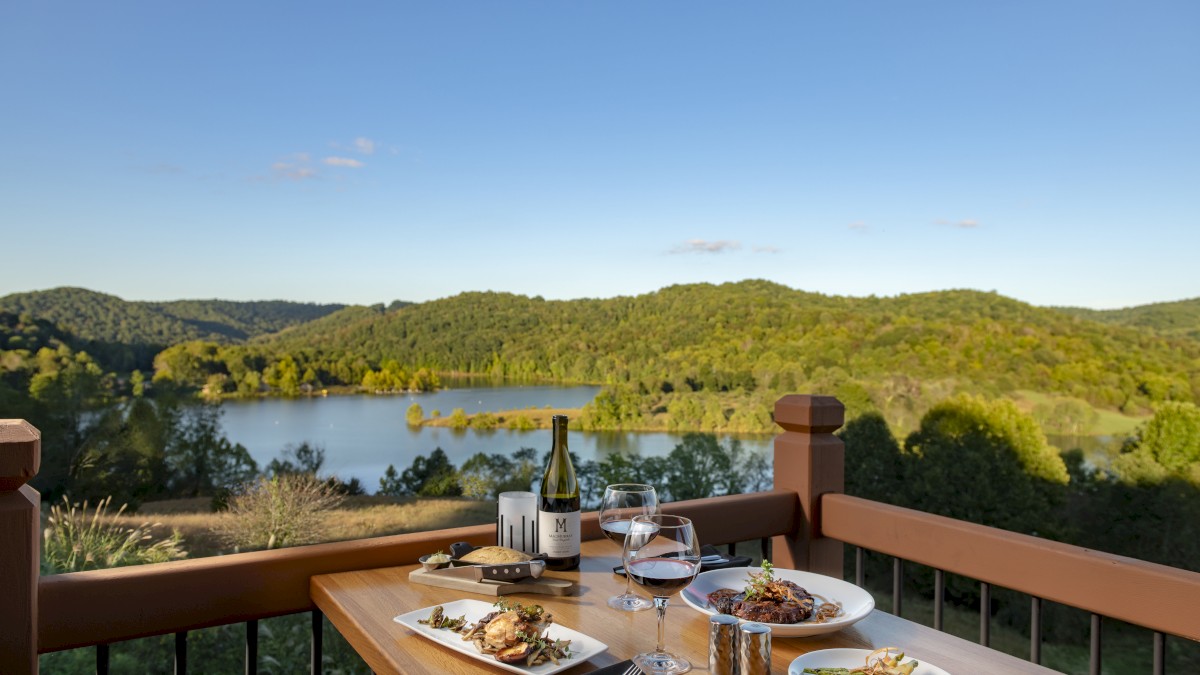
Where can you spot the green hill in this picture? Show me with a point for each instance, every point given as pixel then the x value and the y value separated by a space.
pixel 756 335
pixel 127 334
pixel 1180 318
pixel 723 348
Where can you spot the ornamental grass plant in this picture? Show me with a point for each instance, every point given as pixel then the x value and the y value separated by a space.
pixel 279 511
pixel 78 537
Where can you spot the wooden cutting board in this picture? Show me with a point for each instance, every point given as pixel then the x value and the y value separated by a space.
pixel 544 585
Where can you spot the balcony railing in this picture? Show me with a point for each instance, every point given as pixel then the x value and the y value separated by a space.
pixel 806 516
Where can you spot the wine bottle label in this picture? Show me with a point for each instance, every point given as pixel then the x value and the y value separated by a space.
pixel 558 534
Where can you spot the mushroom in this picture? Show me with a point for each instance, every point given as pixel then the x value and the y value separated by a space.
pixel 517 653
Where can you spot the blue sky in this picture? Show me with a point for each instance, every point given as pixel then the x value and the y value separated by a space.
pixel 365 152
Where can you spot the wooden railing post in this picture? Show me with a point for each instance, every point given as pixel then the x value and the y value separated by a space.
pixel 810 460
pixel 20 530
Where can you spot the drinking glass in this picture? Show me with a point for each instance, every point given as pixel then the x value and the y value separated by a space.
pixel 620 504
pixel 662 555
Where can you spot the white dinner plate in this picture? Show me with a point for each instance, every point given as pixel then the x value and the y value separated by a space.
pixel 850 658
pixel 582 647
pixel 856 603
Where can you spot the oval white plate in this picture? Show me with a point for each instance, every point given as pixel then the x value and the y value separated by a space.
pixel 856 603
pixel 583 647
pixel 849 658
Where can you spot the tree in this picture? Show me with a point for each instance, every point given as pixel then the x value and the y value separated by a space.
pixel 202 461
pixel 482 475
pixel 415 415
pixel 305 459
pixel 984 462
pixel 1167 445
pixel 389 483
pixel 874 463
pixel 696 467
pixel 434 476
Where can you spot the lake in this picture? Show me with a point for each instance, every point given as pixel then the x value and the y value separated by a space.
pixel 363 434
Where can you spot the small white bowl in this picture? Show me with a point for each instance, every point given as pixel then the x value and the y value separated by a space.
pixel 431 566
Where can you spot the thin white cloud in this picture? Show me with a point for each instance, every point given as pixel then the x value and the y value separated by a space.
pixel 343 161
pixel 703 246
pixel 964 224
pixel 767 249
pixel 294 167
pixel 364 145
pixel 858 226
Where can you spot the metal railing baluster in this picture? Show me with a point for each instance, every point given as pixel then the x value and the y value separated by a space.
pixel 897 585
pixel 985 614
pixel 860 566
pixel 252 647
pixel 317 617
pixel 1094 657
pixel 181 653
pixel 939 598
pixel 102 659
pixel 1035 630
pixel 1160 653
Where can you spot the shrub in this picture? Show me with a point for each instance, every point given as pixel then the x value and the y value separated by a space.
pixel 78 538
pixel 415 415
pixel 278 511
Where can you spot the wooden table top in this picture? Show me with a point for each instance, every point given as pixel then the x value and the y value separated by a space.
pixel 362 605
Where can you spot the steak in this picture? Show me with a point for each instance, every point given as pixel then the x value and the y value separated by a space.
pixel 723 599
pixel 729 601
pixel 767 611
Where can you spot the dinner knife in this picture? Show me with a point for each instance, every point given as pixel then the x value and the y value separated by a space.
pixel 498 572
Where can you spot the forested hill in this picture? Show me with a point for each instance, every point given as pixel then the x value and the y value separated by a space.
pixel 760 335
pixel 112 325
pixel 753 337
pixel 1168 318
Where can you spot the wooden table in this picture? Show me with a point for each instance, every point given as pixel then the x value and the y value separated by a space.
pixel 362 604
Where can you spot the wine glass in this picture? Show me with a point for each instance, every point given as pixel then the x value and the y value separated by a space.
pixel 662 555
pixel 620 504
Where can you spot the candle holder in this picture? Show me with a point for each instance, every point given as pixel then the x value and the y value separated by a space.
pixel 516 521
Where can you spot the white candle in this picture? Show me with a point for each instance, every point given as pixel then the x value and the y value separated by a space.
pixel 516 521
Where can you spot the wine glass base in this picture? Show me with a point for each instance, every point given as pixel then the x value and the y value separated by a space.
pixel 628 602
pixel 661 663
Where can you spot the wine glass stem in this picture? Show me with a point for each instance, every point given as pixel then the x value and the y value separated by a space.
pixel 628 585
pixel 661 605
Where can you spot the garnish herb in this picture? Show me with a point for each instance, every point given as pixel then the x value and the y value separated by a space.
pixel 760 580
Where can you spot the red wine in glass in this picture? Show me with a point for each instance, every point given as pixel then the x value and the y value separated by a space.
pixel 662 555
pixel 620 504
pixel 662 576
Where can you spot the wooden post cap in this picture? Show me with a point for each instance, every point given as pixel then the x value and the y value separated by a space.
pixel 20 453
pixel 808 413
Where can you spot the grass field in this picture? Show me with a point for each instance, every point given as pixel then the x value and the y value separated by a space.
pixel 357 518
pixel 1108 422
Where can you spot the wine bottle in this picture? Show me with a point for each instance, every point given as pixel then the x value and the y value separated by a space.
pixel 558 510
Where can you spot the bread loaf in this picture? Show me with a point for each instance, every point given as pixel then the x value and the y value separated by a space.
pixel 494 555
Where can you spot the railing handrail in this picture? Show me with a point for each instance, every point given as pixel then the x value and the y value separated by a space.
pixel 189 594
pixel 1143 593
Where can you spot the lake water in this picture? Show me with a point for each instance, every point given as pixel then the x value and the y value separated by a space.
pixel 363 434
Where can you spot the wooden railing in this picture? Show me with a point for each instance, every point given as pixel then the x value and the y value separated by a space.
pixel 807 517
